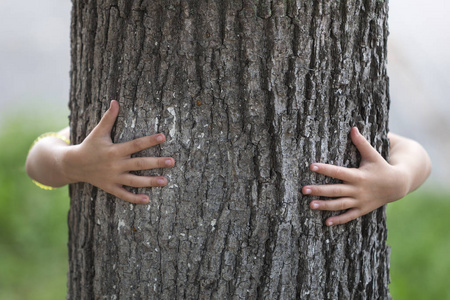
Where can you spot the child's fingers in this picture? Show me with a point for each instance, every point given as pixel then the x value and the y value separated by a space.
pixel 106 124
pixel 139 144
pixel 342 173
pixel 333 205
pixel 143 181
pixel 348 216
pixel 147 163
pixel 328 190
pixel 125 195
pixel 364 147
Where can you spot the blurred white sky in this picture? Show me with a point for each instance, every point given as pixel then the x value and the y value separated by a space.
pixel 35 64
pixel 34 52
pixel 419 60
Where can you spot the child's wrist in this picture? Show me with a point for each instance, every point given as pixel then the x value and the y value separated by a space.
pixel 404 184
pixel 68 164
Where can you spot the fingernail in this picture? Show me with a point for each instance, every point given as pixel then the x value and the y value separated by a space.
pixel 315 205
pixel 315 168
pixel 307 191
pixel 168 162
pixel 160 138
pixel 145 200
pixel 161 181
pixel 329 223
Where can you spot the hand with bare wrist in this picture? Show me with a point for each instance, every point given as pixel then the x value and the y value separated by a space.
pixel 375 183
pixel 100 162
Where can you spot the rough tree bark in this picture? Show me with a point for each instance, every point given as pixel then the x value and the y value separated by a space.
pixel 248 93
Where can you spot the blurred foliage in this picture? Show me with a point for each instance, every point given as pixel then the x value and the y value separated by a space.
pixel 34 233
pixel 33 222
pixel 419 237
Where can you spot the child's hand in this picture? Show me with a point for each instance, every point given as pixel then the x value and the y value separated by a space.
pixel 106 165
pixel 363 190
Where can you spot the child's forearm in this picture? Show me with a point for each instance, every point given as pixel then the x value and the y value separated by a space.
pixel 411 158
pixel 45 161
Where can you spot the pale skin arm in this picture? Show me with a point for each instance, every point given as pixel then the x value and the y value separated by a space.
pixel 375 183
pixel 98 161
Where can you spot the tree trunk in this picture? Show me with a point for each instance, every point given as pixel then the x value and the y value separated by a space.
pixel 248 93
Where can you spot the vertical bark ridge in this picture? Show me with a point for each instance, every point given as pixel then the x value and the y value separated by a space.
pixel 79 217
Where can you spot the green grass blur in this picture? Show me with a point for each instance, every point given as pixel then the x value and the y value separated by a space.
pixel 33 222
pixel 419 237
pixel 33 228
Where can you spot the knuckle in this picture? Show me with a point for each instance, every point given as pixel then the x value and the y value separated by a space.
pixel 131 182
pixel 140 164
pixel 112 167
pixel 111 152
pixel 337 190
pixel 129 197
pixel 337 172
pixel 133 199
pixel 138 144
pixel 323 205
pixel 118 193
pixel 360 176
pixel 313 190
pixel 339 221
pixel 162 163
pixel 109 189
pixel 151 182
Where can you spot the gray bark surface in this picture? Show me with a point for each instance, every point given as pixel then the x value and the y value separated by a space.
pixel 248 93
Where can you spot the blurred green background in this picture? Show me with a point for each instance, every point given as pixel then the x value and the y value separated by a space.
pixel 33 222
pixel 33 226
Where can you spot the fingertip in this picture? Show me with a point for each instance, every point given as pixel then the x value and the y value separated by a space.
pixel 114 106
pixel 364 147
pixel 162 181
pixel 314 205
pixel 306 190
pixel 169 162
pixel 357 138
pixel 113 103
pixel 144 199
pixel 344 218
pixel 160 137
pixel 107 121
pixel 138 198
pixel 314 167
pixel 355 134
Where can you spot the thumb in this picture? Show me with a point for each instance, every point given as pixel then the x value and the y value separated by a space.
pixel 364 147
pixel 106 124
